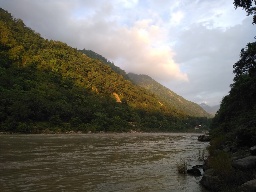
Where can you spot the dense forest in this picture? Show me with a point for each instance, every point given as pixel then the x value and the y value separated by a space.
pixel 164 94
pixel 167 95
pixel 233 129
pixel 236 118
pixel 94 55
pixel 48 86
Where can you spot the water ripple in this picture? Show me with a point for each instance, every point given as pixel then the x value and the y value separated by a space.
pixel 98 162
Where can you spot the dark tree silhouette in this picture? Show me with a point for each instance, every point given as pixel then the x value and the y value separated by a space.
pixel 249 6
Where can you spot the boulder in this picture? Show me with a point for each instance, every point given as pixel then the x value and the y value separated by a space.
pixel 253 150
pixel 194 171
pixel 198 166
pixel 206 165
pixel 245 163
pixel 203 138
pixel 249 186
pixel 210 181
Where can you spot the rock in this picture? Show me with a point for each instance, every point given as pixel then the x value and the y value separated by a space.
pixel 246 163
pixel 210 181
pixel 249 186
pixel 198 166
pixel 194 171
pixel 253 150
pixel 203 138
pixel 206 164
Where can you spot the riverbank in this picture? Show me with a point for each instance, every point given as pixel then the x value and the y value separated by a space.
pixel 230 170
pixel 48 131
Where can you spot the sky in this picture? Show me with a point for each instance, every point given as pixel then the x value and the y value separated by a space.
pixel 188 46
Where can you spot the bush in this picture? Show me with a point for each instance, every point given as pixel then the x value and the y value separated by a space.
pixel 215 144
pixel 182 167
pixel 221 163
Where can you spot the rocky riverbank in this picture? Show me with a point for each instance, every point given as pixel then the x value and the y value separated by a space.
pixel 204 138
pixel 234 173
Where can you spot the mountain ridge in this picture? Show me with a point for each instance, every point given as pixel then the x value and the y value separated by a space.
pixel 48 86
pixel 167 95
pixel 210 109
pixel 145 82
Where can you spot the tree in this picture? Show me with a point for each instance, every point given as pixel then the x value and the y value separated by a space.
pixel 247 63
pixel 249 6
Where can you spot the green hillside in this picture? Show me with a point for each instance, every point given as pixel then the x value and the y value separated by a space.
pixel 168 96
pixel 94 55
pixel 163 93
pixel 48 86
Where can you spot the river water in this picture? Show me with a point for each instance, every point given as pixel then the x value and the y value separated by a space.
pixel 129 162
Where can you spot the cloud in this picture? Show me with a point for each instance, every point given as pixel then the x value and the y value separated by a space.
pixel 208 55
pixel 135 50
pixel 176 17
pixel 189 46
pixel 128 3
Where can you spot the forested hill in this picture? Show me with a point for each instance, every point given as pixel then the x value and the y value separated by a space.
pixel 167 95
pixel 48 86
pixel 163 93
pixel 94 55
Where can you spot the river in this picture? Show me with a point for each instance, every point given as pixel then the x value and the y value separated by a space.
pixel 125 162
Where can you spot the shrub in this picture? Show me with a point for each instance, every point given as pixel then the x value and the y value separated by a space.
pixel 182 167
pixel 221 163
pixel 216 143
pixel 201 155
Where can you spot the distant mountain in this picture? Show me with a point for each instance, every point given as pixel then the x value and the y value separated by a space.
pixel 168 96
pixel 48 86
pixel 210 109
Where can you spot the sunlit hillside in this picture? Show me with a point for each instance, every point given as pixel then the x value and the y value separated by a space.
pixel 48 86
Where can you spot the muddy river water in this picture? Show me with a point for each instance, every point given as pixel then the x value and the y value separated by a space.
pixel 128 162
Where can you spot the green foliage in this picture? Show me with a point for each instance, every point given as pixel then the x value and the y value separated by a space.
pixel 221 163
pixel 94 55
pixel 216 143
pixel 47 86
pixel 236 117
pixel 168 97
pixel 182 167
pixel 229 178
pixel 234 125
pixel 247 63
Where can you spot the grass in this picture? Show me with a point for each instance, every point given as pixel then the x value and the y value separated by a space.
pixel 201 155
pixel 182 167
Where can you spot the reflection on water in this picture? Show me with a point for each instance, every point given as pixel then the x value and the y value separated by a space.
pixel 98 162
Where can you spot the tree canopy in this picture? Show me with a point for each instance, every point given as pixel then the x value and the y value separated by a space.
pixel 236 118
pixel 247 63
pixel 249 6
pixel 48 86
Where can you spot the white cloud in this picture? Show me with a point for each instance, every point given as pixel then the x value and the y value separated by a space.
pixel 207 56
pixel 135 50
pixel 176 17
pixel 128 3
pixel 189 46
